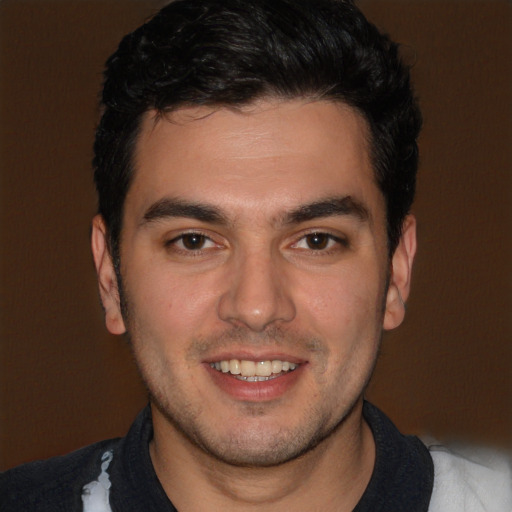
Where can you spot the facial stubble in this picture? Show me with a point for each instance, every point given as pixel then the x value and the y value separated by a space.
pixel 247 447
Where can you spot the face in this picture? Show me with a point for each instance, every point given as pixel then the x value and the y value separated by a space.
pixel 254 270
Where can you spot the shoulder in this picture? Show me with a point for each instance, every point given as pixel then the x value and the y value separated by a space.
pixel 470 479
pixel 54 484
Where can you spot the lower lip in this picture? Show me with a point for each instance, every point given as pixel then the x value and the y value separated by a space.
pixel 260 391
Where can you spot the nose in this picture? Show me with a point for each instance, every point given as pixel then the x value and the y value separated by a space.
pixel 256 294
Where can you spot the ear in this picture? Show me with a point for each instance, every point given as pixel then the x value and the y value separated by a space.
pixel 400 278
pixel 107 279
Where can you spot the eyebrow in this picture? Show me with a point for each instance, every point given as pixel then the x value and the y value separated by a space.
pixel 329 207
pixel 168 207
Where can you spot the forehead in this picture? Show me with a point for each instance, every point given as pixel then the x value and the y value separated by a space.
pixel 267 155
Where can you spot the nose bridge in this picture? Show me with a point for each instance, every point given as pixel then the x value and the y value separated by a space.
pixel 256 294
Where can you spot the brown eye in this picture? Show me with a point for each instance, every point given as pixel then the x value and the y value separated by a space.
pixel 193 241
pixel 321 243
pixel 318 241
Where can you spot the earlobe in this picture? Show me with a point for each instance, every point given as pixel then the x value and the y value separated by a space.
pixel 400 278
pixel 107 280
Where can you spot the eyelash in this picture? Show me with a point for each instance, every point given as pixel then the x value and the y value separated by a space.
pixel 175 243
pixel 332 243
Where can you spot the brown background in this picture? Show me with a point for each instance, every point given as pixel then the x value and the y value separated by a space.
pixel 65 382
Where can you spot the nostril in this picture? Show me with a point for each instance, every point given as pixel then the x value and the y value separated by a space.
pixel 256 301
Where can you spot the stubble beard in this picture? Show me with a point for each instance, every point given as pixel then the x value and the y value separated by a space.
pixel 243 447
pixel 254 449
pixel 250 449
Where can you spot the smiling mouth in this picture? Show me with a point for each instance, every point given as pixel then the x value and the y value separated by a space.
pixel 254 371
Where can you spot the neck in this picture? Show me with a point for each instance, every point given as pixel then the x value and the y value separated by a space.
pixel 332 476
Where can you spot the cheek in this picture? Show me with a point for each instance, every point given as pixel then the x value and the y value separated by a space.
pixel 167 305
pixel 345 299
pixel 345 310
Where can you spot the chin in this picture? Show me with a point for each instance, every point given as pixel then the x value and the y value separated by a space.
pixel 254 441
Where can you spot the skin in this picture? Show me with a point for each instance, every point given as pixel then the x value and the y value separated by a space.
pixel 284 266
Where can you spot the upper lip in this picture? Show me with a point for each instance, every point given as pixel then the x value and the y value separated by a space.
pixel 254 356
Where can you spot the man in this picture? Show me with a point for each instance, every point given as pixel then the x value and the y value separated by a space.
pixel 255 165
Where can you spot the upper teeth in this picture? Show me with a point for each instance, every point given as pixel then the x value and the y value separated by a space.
pixel 253 368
